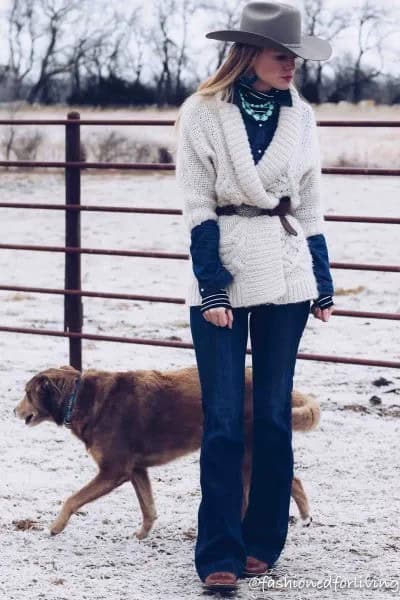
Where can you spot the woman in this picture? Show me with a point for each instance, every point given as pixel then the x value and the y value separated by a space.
pixel 249 168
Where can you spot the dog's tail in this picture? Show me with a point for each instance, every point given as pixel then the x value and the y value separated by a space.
pixel 306 412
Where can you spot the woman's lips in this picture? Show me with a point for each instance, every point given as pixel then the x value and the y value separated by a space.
pixel 287 77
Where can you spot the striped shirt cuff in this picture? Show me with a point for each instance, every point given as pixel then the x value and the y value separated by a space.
pixel 215 300
pixel 323 301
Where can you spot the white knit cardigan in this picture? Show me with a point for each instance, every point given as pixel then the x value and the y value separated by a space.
pixel 214 166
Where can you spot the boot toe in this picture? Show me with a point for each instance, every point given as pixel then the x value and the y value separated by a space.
pixel 221 579
pixel 255 567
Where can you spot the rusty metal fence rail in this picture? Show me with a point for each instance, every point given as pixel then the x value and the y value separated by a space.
pixel 73 293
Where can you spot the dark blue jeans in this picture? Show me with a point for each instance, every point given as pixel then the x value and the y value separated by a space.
pixel 223 540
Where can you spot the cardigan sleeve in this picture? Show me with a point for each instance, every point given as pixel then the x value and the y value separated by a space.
pixel 310 212
pixel 195 175
pixel 194 169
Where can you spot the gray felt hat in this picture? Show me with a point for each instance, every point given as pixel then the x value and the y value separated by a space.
pixel 264 22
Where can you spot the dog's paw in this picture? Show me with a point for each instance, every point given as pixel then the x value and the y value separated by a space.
pixel 57 527
pixel 307 521
pixel 141 533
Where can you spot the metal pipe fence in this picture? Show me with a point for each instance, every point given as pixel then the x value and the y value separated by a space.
pixel 72 291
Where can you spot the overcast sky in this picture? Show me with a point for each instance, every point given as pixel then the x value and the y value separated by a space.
pixel 204 47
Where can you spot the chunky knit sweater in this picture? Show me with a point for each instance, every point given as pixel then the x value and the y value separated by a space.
pixel 214 165
pixel 212 276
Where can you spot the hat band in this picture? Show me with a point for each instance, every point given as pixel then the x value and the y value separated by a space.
pixel 266 35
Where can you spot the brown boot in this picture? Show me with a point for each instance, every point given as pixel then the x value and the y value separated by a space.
pixel 221 580
pixel 255 567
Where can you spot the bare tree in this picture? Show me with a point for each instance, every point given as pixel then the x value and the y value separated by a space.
pixel 323 22
pixel 171 16
pixel 224 16
pixel 188 8
pixel 352 71
pixel 49 39
pixel 23 35
pixel 165 46
pixel 134 52
pixel 36 37
pixel 58 50
pixel 57 15
pixel 370 36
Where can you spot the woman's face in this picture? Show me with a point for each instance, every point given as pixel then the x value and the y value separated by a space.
pixel 274 68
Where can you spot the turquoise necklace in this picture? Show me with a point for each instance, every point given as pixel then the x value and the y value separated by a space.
pixel 258 105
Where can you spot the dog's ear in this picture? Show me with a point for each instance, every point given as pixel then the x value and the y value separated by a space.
pixel 49 395
pixel 43 383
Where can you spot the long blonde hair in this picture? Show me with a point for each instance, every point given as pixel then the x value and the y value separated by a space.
pixel 238 62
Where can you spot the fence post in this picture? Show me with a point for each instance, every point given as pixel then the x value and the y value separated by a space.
pixel 73 310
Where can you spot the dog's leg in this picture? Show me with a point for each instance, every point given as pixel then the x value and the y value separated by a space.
pixel 102 484
pixel 141 483
pixel 301 500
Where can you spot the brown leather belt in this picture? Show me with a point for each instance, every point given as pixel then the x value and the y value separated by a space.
pixel 248 210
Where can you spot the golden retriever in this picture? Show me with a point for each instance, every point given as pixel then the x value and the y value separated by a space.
pixel 132 420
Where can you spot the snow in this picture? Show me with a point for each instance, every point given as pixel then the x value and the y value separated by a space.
pixel 349 465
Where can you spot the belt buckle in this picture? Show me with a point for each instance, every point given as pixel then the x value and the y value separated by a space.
pixel 247 210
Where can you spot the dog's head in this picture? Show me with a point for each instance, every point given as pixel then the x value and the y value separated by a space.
pixel 45 394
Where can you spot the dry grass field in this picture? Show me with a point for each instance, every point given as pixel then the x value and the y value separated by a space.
pixel 373 147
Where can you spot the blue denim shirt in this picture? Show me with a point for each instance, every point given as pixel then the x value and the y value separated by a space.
pixel 207 267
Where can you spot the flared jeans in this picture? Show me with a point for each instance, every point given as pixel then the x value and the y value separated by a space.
pixel 223 539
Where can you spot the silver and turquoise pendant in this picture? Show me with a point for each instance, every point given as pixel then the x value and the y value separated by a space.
pixel 263 111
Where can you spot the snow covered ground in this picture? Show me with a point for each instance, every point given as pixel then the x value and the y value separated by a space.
pixel 349 465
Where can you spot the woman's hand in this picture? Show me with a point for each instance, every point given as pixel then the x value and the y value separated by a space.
pixel 322 314
pixel 223 316
pixel 323 307
pixel 219 316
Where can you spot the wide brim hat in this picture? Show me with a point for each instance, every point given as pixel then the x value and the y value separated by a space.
pixel 264 22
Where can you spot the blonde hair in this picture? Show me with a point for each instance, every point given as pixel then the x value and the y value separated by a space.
pixel 238 62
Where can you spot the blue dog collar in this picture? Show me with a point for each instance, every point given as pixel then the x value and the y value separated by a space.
pixel 71 403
